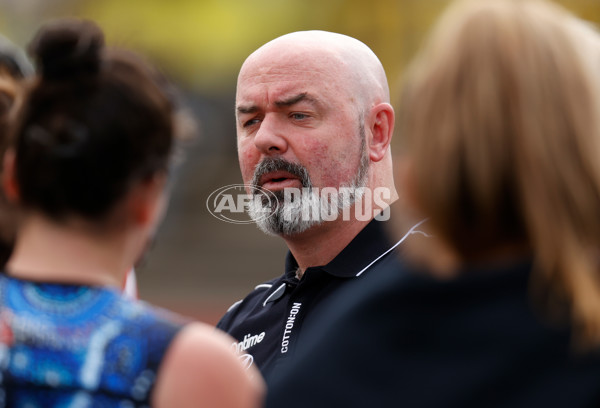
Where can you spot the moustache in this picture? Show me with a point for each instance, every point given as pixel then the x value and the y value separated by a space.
pixel 272 164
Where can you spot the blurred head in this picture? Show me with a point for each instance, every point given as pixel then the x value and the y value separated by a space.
pixel 500 125
pixel 97 124
pixel 312 111
pixel 13 61
pixel 14 68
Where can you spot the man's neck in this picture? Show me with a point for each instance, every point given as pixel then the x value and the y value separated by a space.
pixel 321 244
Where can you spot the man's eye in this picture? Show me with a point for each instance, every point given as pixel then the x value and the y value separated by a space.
pixel 250 122
pixel 299 116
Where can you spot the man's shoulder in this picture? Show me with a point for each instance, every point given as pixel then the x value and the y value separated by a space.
pixel 253 299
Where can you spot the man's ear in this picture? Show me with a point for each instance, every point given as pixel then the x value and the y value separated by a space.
pixel 146 199
pixel 381 126
pixel 9 177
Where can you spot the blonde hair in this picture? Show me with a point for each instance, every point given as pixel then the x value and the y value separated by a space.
pixel 500 117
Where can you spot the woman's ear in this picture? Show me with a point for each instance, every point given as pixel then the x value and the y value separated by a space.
pixel 9 177
pixel 381 126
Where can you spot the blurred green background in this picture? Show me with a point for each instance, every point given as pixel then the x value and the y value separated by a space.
pixel 200 265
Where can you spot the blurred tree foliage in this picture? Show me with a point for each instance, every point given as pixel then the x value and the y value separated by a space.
pixel 202 43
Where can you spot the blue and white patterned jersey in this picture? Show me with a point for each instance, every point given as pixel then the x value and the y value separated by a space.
pixel 78 346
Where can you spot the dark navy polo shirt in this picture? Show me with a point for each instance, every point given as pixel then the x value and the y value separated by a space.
pixel 268 322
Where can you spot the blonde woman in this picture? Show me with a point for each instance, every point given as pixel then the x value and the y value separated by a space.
pixel 500 306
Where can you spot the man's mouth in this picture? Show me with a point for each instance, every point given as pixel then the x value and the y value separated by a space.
pixel 278 180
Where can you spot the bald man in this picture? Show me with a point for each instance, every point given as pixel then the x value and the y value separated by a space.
pixel 314 125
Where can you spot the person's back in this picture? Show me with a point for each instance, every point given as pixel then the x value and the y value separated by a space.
pixel 65 343
pixel 403 338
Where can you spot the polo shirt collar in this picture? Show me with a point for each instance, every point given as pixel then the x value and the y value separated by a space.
pixel 371 242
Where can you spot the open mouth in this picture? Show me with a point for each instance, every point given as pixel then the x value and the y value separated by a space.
pixel 279 180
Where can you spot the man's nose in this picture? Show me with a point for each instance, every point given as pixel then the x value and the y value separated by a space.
pixel 269 138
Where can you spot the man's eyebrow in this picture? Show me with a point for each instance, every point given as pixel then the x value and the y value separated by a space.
pixel 247 109
pixel 295 99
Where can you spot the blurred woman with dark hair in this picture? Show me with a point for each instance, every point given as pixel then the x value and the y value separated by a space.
pixel 499 124
pixel 14 68
pixel 92 151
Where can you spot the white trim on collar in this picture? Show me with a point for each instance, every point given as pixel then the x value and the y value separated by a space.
pixel 410 232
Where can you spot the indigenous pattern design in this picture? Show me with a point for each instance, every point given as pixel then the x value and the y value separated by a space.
pixel 78 346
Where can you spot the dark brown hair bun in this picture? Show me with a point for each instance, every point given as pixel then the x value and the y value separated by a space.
pixel 96 121
pixel 67 48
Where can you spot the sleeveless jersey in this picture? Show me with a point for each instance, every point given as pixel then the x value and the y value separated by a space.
pixel 65 345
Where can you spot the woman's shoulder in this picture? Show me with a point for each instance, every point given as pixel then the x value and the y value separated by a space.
pixel 200 368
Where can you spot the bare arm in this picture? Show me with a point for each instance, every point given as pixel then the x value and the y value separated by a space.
pixel 200 369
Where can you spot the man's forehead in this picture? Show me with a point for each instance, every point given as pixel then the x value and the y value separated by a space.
pixel 278 84
pixel 286 69
pixel 284 78
pixel 285 95
pixel 288 58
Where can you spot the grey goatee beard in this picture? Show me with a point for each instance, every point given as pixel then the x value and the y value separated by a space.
pixel 286 216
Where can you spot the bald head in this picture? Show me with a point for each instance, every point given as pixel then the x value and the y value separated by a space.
pixel 344 58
